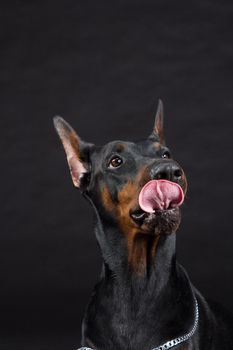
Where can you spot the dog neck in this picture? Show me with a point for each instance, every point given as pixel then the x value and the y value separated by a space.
pixel 138 259
pixel 138 296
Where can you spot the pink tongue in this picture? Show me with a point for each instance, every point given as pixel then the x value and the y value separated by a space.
pixel 160 194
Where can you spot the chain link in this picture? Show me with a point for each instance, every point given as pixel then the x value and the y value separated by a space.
pixel 181 339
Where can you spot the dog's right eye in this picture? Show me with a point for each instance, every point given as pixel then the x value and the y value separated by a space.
pixel 166 154
pixel 115 162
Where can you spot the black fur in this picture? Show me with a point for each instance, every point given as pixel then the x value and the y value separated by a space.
pixel 142 309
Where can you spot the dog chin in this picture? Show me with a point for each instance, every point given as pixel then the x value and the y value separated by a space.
pixel 160 222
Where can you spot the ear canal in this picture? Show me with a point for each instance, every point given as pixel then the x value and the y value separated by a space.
pixel 72 146
pixel 158 125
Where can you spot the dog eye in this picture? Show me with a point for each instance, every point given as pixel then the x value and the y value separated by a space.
pixel 166 154
pixel 115 162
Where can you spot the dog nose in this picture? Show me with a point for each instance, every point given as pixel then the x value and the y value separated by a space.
pixel 166 171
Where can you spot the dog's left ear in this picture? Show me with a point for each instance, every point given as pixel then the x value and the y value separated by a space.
pixel 158 125
pixel 77 151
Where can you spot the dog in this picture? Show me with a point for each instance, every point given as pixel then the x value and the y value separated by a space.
pixel 144 299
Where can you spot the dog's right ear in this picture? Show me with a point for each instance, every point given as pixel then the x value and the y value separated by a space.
pixel 75 148
pixel 158 124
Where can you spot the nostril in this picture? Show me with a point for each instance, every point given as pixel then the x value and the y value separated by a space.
pixel 161 175
pixel 178 173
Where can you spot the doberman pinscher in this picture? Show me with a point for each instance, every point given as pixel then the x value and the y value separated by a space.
pixel 144 299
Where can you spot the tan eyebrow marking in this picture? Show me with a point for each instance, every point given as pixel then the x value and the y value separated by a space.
pixel 120 147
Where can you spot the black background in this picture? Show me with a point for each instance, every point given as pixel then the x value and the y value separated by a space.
pixel 102 65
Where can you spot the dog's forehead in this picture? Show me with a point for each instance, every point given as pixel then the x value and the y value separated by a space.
pixel 119 146
pixel 114 147
pixel 137 149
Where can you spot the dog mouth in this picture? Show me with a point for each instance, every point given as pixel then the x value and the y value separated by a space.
pixel 141 217
pixel 160 195
pixel 158 210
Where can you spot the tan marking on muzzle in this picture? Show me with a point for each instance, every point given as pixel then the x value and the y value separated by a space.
pixel 137 241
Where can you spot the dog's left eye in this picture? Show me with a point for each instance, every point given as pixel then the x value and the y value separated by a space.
pixel 115 162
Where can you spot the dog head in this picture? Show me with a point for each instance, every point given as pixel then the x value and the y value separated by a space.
pixel 135 186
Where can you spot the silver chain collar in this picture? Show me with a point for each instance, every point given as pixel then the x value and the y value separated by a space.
pixel 168 345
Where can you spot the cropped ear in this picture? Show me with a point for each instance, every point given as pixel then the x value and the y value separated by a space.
pixel 75 149
pixel 158 124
